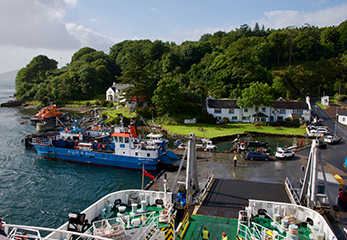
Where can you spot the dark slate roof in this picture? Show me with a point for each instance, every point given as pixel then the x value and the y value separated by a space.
pixel 290 105
pixel 259 114
pixel 218 103
pixel 343 113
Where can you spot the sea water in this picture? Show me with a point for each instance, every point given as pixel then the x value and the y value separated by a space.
pixel 41 192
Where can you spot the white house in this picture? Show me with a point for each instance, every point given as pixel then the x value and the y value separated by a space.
pixel 115 93
pixel 278 111
pixel 325 100
pixel 290 109
pixel 342 118
pixel 221 108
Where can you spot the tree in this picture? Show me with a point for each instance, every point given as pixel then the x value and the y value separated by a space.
pixel 88 78
pixel 258 94
pixel 137 73
pixel 167 97
pixel 277 41
pixel 279 89
pixel 80 53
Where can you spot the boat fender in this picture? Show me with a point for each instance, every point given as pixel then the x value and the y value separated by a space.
pixel 103 146
pixel 98 145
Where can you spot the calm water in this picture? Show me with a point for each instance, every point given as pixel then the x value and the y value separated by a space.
pixel 41 192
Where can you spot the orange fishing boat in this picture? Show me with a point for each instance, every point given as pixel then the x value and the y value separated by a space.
pixel 47 114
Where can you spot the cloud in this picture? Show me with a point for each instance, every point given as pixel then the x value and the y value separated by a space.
pixel 71 3
pixel 39 24
pixel 94 20
pixel 321 18
pixel 89 38
pixel 33 27
pixel 35 24
pixel 153 9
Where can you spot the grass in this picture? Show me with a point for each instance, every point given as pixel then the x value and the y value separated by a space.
pixel 330 101
pixel 229 129
pixel 124 111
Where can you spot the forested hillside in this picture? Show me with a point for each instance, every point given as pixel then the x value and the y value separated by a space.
pixel 290 62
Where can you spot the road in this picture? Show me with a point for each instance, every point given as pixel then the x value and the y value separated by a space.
pixel 334 154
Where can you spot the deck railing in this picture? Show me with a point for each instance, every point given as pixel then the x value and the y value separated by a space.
pixel 294 197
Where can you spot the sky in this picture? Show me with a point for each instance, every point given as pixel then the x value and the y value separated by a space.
pixel 59 28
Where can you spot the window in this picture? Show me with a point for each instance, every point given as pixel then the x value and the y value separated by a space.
pixel 297 111
pixel 245 118
pixel 217 110
pixel 126 140
pixel 234 118
pixel 245 110
pixel 282 111
pixel 263 119
pixel 280 118
pixel 231 111
pixel 321 190
pixel 263 109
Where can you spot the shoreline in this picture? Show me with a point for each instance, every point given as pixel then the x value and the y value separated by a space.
pixel 85 110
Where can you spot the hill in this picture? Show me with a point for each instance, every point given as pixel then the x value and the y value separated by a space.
pixel 7 79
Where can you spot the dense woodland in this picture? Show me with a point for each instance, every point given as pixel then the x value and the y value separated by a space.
pixel 248 63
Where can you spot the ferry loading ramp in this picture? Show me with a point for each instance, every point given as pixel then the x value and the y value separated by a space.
pixel 226 197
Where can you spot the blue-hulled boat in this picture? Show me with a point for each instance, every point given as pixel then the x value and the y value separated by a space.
pixel 126 150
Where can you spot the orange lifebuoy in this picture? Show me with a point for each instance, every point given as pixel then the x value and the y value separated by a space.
pixel 160 148
pixel 103 146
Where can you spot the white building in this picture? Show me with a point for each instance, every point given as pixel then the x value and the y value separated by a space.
pixel 278 111
pixel 342 118
pixel 290 109
pixel 116 93
pixel 228 108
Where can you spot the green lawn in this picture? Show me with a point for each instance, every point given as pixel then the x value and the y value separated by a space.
pixel 229 129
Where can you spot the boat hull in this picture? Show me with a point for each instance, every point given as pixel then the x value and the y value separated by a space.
pixel 96 158
pixel 49 119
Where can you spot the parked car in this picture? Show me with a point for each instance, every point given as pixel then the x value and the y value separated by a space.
pixel 284 154
pixel 320 131
pixel 182 146
pixel 255 155
pixel 332 139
